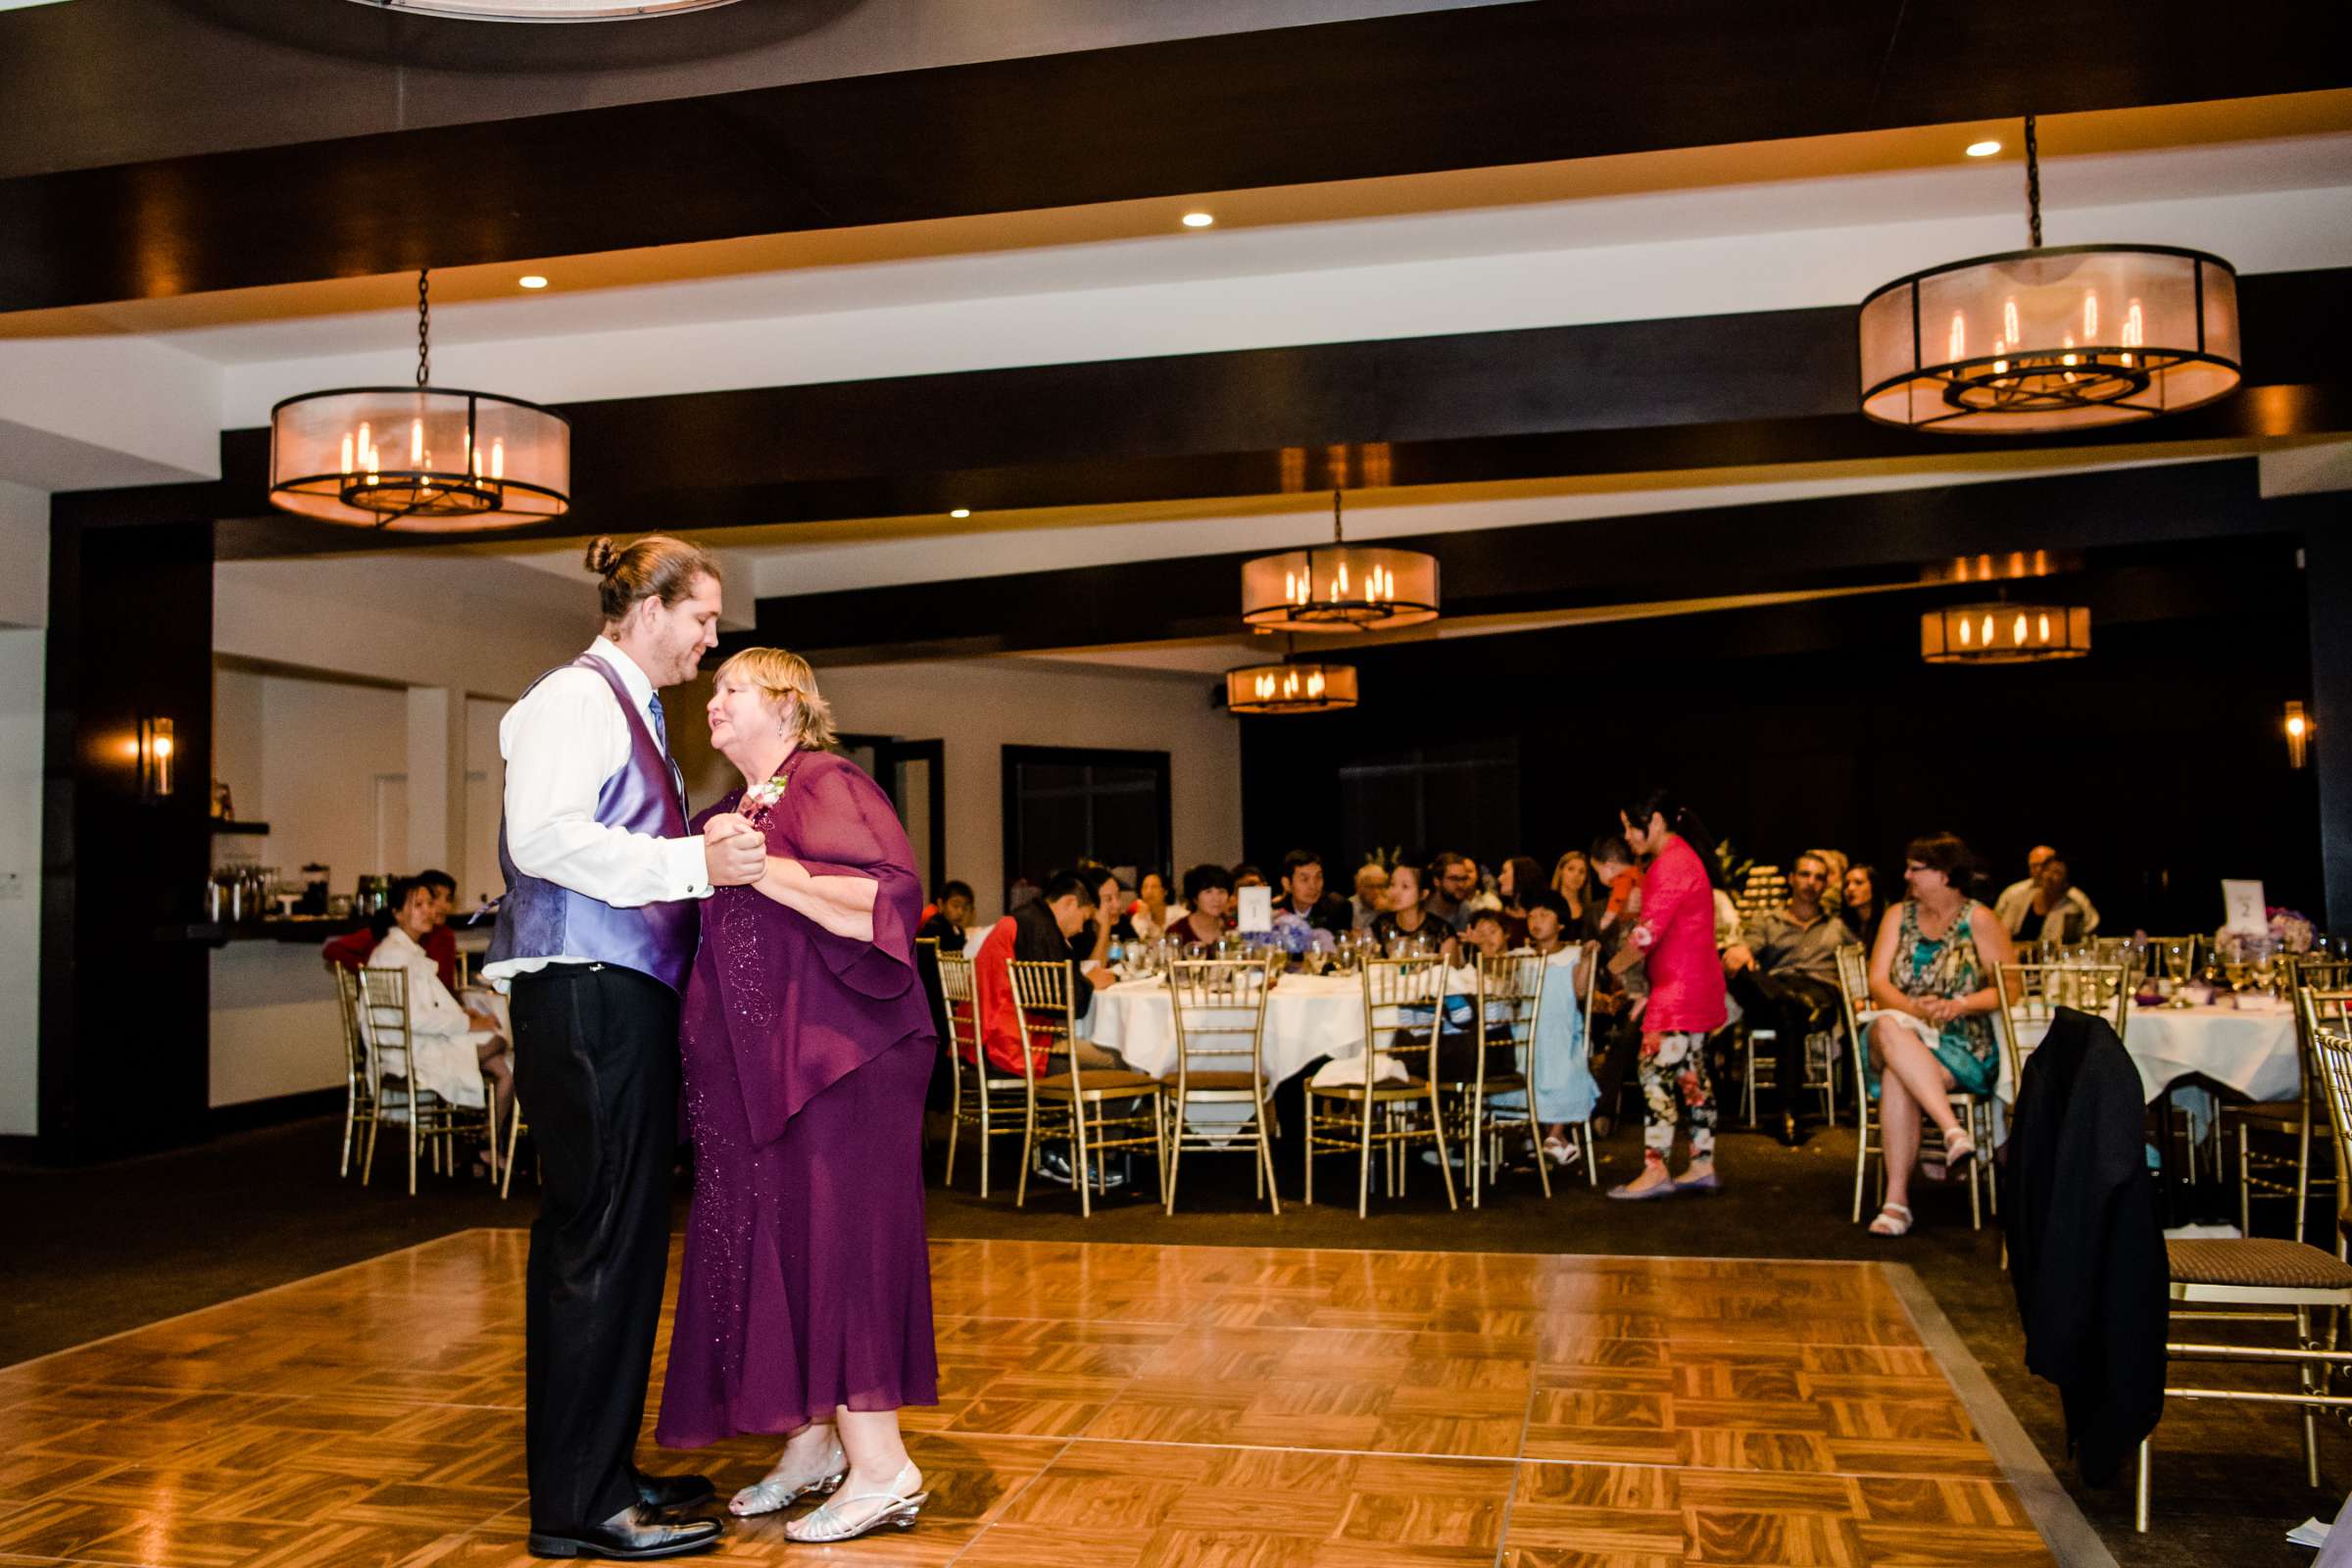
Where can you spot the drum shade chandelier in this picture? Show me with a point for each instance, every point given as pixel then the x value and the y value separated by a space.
pixel 2068 337
pixel 419 459
pixel 1340 587
pixel 544 10
pixel 1290 688
pixel 2004 633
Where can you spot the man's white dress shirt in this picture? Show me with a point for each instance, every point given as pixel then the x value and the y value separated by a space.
pixel 560 743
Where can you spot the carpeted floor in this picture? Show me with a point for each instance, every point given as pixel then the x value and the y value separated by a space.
pixel 90 1253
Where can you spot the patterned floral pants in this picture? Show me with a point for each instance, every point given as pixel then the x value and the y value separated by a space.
pixel 1674 1085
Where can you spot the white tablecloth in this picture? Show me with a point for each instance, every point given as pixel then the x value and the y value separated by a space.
pixel 1306 1016
pixel 2252 1053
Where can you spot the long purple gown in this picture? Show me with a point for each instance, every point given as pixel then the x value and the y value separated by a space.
pixel 806 1283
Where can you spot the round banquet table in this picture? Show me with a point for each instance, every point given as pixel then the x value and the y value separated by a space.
pixel 1307 1018
pixel 2248 1050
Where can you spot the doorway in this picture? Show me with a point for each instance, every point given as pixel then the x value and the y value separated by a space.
pixel 913 774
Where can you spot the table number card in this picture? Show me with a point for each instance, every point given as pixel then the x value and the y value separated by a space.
pixel 1257 909
pixel 2245 909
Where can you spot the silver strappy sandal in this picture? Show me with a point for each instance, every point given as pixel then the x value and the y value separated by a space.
pixel 771 1492
pixel 898 1511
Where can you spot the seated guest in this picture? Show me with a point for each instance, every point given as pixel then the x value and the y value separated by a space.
pixel 2004 908
pixel 945 921
pixel 1562 1079
pixel 1836 862
pixel 1303 895
pixel 1572 881
pixel 1408 916
pixel 1487 936
pixel 351 949
pixel 1547 925
pixel 1930 1025
pixel 1106 922
pixel 1452 883
pixel 2053 910
pixel 452 1050
pixel 1148 914
pixel 1246 875
pixel 1045 930
pixel 1861 909
pixel 1371 894
pixel 1783 972
pixel 1208 893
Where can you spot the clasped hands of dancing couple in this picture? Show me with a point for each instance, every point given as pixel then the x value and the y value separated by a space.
pixel 751 975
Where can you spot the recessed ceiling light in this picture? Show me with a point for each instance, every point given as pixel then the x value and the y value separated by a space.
pixel 1199 220
pixel 1983 149
pixel 533 280
pixel 961 512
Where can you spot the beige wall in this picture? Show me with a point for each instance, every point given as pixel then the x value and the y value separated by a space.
pixel 980 706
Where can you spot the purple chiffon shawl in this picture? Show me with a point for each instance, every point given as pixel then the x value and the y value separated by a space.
pixel 804 1008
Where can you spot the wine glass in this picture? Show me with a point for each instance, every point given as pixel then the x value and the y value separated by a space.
pixel 2179 959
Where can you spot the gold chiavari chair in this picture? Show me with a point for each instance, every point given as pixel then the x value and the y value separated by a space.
pixel 1510 998
pixel 1974 1112
pixel 2033 993
pixel 2265 1280
pixel 1098 1109
pixel 1356 1118
pixel 2264 1168
pixel 1220 1009
pixel 433 1123
pixel 515 1128
pixel 361 1080
pixel 993 1102
pixel 2321 989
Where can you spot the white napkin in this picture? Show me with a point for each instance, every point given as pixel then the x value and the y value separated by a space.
pixel 1343 1071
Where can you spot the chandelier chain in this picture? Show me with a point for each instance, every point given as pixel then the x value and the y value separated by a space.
pixel 2032 185
pixel 423 323
pixel 1337 536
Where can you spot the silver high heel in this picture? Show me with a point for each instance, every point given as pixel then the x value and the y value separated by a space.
pixel 770 1492
pixel 898 1511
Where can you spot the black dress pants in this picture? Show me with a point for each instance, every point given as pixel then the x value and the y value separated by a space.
pixel 1791 1006
pixel 596 1067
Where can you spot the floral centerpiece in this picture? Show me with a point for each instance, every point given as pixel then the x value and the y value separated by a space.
pixel 2285 931
pixel 1293 936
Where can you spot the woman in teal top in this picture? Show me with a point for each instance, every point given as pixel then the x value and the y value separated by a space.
pixel 1931 1029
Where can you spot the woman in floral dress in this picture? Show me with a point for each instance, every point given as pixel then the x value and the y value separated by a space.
pixel 1931 1031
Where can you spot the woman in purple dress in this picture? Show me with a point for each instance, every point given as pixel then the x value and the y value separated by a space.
pixel 805 1305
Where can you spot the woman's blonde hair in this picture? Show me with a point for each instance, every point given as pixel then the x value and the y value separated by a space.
pixel 780 675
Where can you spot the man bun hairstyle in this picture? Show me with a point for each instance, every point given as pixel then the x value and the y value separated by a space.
pixel 655 567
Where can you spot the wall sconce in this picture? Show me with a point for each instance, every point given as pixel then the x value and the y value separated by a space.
pixel 2298 732
pixel 158 764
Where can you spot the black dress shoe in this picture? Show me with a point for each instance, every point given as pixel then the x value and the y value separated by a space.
pixel 626 1538
pixel 1793 1133
pixel 671 1491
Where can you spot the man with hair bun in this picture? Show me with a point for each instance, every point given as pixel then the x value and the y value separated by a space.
pixel 593 943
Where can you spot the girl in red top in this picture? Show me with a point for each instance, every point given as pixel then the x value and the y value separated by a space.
pixel 1675 939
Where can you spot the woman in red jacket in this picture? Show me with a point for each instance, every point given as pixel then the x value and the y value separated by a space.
pixel 1675 940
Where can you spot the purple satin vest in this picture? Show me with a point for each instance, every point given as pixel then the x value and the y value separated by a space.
pixel 540 919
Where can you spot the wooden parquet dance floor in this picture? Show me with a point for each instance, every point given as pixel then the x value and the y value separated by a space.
pixel 1103 1406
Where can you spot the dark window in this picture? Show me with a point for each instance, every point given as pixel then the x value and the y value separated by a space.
pixel 1463 797
pixel 1064 804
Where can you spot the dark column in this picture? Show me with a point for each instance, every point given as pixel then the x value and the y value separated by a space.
pixel 125 1008
pixel 2327 579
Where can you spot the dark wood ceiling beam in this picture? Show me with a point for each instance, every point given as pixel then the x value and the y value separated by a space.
pixel 1473 87
pixel 1776 547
